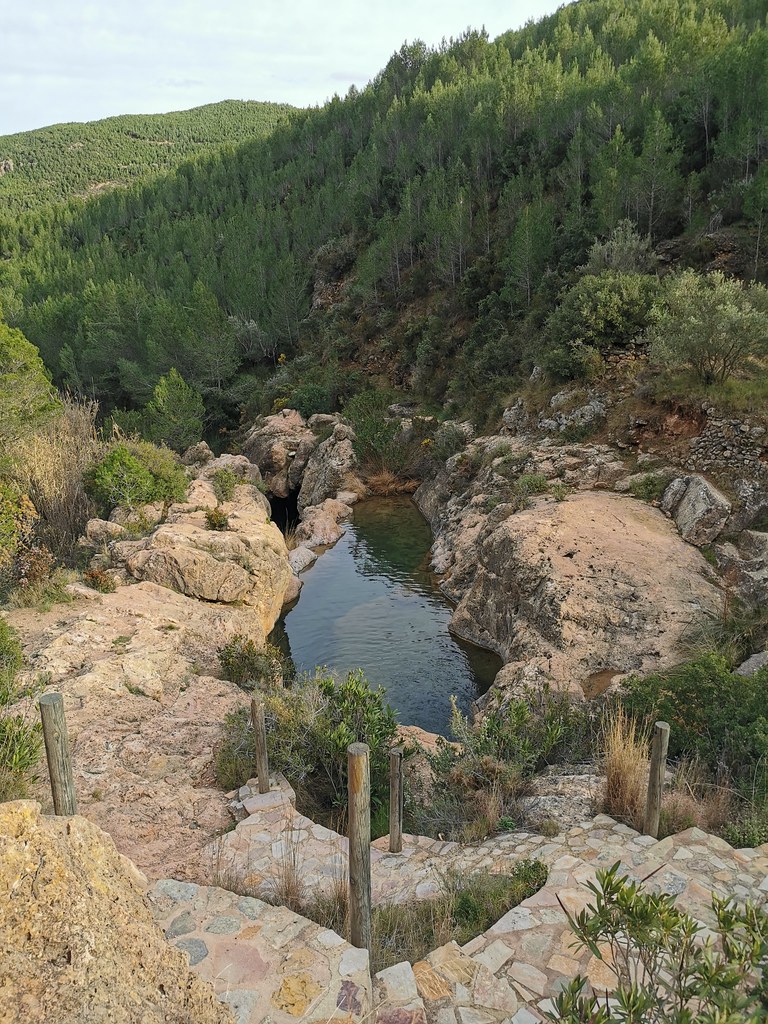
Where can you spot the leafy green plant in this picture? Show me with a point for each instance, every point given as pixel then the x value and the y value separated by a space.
pixel 664 973
pixel 10 661
pixel 713 711
pixel 224 482
pixel 134 473
pixel 649 487
pixel 250 666
pixel 216 519
pixel 309 727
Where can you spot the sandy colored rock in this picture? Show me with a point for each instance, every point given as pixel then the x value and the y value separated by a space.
pixel 573 591
pixel 280 446
pixel 697 507
pixel 331 468
pixel 78 944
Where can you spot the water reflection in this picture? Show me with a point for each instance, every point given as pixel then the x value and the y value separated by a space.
pixel 372 602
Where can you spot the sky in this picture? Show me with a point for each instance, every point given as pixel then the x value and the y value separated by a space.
pixel 78 60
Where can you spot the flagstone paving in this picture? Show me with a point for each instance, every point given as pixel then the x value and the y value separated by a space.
pixel 507 975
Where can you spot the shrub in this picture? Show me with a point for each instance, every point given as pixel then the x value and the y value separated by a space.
pixel 710 324
pixel 378 440
pixel 100 580
pixel 17 524
pixel 134 473
pixel 216 519
pixel 713 712
pixel 449 439
pixel 478 781
pixel 175 413
pixel 10 661
pixel 601 312
pixel 49 467
pixel 309 728
pixel 250 666
pixel 119 479
pixel 649 487
pixel 663 975
pixel 224 482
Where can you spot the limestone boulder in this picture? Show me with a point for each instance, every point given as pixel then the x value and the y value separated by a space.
pixel 699 509
pixel 77 939
pixel 275 443
pixel 331 468
pixel 242 467
pixel 319 526
pixel 101 531
pixel 247 563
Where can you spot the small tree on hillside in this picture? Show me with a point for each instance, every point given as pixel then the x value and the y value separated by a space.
pixel 710 324
pixel 175 412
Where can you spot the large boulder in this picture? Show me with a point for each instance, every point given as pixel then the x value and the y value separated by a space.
pixel 697 507
pixel 77 940
pixel 280 446
pixel 331 468
pixel 571 592
pixel 245 564
pixel 319 526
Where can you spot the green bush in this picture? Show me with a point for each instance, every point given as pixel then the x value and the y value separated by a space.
pixel 18 518
pixel 216 519
pixel 713 712
pixel 712 325
pixel 378 441
pixel 250 666
pixel 649 487
pixel 666 971
pixel 478 780
pixel 135 473
pixel 601 312
pixel 309 728
pixel 175 413
pixel 224 482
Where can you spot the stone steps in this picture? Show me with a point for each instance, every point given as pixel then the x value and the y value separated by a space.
pixel 510 973
pixel 266 963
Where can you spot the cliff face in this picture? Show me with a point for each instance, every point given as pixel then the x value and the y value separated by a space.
pixel 77 940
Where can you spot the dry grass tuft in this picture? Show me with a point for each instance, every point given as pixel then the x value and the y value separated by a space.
pixel 49 467
pixel 695 800
pixel 626 750
pixel 384 484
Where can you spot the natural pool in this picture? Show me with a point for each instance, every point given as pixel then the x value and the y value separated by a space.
pixel 372 602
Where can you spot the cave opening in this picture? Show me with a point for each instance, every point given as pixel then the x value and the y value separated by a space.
pixel 285 511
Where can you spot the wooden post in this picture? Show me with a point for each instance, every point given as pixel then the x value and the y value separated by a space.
pixel 57 753
pixel 359 772
pixel 656 779
pixel 396 800
pixel 260 742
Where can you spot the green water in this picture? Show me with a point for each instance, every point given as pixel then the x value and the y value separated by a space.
pixel 372 602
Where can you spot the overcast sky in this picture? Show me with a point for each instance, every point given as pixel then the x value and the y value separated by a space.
pixel 75 60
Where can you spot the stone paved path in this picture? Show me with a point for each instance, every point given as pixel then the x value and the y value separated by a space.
pixel 509 974
pixel 266 963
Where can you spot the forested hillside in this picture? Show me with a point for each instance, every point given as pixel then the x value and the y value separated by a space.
pixel 442 229
pixel 63 161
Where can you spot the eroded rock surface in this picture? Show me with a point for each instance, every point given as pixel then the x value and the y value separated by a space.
pixel 593 586
pixel 280 446
pixel 137 669
pixel 698 508
pixel 78 942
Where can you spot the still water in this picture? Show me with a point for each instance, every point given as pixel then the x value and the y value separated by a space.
pixel 372 602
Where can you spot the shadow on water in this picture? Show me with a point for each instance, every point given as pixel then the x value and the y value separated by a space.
pixel 372 602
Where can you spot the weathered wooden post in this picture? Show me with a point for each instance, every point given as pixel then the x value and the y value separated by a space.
pixel 260 742
pixel 359 786
pixel 57 753
pixel 656 779
pixel 396 800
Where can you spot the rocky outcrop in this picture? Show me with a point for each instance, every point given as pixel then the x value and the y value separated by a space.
pixel 575 591
pixel 331 468
pixel 280 446
pixel 137 668
pixel 245 564
pixel 78 942
pixel 697 507
pixel 319 526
